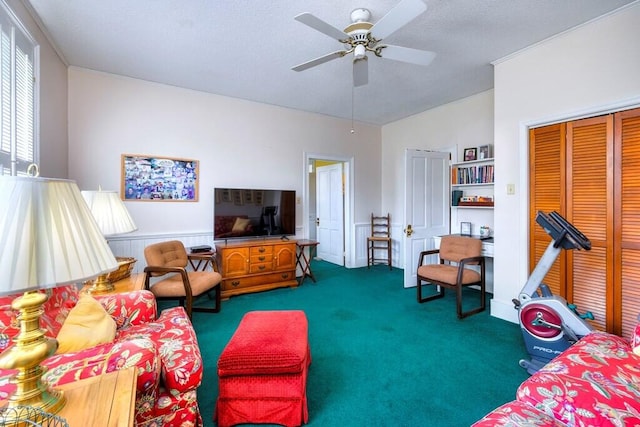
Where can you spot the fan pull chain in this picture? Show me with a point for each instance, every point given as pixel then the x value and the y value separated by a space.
pixel 352 102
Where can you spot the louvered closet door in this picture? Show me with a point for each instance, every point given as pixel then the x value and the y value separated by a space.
pixel 589 199
pixel 546 193
pixel 627 221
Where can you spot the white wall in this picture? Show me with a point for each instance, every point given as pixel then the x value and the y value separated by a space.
pixel 592 69
pixel 53 100
pixel 461 124
pixel 238 143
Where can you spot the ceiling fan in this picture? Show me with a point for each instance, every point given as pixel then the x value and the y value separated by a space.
pixel 361 36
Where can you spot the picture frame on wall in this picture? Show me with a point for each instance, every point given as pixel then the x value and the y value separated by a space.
pixel 470 154
pixel 484 152
pixel 158 179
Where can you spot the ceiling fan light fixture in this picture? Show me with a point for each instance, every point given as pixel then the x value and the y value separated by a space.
pixel 359 52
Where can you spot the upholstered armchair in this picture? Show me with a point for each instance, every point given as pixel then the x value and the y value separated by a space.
pixel 164 349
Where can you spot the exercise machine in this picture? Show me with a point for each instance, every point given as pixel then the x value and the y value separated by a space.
pixel 549 325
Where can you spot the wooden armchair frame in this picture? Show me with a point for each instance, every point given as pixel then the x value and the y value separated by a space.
pixel 206 282
pixel 448 275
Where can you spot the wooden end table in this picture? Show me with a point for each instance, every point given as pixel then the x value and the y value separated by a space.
pixel 199 261
pixel 303 261
pixel 102 401
pixel 135 282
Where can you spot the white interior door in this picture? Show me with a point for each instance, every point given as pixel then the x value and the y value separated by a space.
pixel 427 211
pixel 330 211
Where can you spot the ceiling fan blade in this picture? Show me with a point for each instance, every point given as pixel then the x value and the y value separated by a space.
pixel 406 54
pixel 318 24
pixel 360 72
pixel 403 13
pixel 321 60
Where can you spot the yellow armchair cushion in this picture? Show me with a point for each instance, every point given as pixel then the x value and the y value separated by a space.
pixel 87 325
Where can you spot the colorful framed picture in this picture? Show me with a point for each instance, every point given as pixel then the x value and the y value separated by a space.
pixel 470 154
pixel 160 179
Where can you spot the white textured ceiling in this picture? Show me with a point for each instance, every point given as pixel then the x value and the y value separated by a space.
pixel 246 48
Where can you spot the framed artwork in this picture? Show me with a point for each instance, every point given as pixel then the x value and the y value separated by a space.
pixel 236 195
pixel 248 196
pixel 159 179
pixel 470 154
pixel 484 152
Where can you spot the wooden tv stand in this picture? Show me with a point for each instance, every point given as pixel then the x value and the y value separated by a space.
pixel 256 265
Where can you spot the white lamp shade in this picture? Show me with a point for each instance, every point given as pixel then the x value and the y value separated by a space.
pixel 48 236
pixel 109 212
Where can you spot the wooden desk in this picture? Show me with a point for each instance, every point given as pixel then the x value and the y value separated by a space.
pixel 303 261
pixel 135 282
pixel 102 401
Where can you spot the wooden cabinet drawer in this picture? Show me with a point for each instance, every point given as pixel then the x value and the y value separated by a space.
pixel 257 259
pixel 260 250
pixel 263 279
pixel 260 267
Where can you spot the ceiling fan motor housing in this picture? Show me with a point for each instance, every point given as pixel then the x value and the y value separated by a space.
pixel 360 15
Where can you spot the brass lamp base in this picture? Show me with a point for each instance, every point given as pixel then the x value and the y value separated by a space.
pixel 30 348
pixel 101 285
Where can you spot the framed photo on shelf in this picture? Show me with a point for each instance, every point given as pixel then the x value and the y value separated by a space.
pixel 465 229
pixel 470 154
pixel 484 152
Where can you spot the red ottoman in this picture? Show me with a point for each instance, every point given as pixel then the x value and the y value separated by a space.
pixel 262 372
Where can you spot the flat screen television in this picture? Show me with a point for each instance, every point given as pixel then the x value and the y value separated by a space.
pixel 243 213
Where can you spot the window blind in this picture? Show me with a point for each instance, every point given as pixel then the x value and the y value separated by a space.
pixel 17 95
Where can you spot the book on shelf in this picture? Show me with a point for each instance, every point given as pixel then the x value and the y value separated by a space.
pixel 482 174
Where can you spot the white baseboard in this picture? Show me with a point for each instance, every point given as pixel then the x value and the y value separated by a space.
pixel 504 310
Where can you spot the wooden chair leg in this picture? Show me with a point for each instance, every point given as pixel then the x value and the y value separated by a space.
pixel 389 255
pixel 440 293
pixel 218 298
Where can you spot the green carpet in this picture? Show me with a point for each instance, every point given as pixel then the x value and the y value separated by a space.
pixel 378 357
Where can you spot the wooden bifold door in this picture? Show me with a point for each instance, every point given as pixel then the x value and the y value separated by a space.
pixel 588 170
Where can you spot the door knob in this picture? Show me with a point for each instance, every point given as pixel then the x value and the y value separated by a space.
pixel 408 231
pixel 317 221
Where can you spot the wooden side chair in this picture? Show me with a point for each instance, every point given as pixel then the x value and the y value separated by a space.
pixel 379 241
pixel 456 254
pixel 170 258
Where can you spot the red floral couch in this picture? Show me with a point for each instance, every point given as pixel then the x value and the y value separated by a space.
pixel 595 382
pixel 164 349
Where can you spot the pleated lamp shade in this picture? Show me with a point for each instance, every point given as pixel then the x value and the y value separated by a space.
pixel 109 212
pixel 48 236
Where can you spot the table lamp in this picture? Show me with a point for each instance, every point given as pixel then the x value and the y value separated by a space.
pixel 113 218
pixel 48 238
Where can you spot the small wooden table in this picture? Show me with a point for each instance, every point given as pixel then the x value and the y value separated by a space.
pixel 201 260
pixel 102 401
pixel 302 260
pixel 135 282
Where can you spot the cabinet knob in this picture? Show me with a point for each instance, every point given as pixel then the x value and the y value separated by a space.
pixel 235 283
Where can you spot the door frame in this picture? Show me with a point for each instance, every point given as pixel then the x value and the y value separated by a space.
pixel 349 242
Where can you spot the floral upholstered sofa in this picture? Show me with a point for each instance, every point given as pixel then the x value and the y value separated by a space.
pixel 164 349
pixel 595 382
